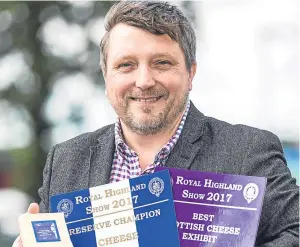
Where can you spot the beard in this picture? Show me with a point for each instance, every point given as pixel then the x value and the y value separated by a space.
pixel 154 122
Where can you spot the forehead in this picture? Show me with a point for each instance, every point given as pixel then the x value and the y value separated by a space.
pixel 126 40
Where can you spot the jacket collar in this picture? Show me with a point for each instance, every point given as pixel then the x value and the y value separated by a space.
pixel 101 158
pixel 188 144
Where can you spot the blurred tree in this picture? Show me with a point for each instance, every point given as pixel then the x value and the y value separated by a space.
pixel 24 38
pixel 21 25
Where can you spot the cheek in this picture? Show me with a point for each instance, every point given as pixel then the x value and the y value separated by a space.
pixel 175 84
pixel 116 88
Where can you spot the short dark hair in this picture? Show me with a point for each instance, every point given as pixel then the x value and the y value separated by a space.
pixel 155 17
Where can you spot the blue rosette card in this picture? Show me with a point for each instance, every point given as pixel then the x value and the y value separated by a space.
pixel 137 212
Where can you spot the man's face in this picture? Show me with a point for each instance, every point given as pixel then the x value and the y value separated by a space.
pixel 146 79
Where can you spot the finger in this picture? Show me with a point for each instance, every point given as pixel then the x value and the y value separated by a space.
pixel 18 242
pixel 33 208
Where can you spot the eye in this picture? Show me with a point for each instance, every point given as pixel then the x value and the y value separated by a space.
pixel 163 62
pixel 124 65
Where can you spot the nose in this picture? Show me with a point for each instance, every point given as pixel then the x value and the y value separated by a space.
pixel 144 79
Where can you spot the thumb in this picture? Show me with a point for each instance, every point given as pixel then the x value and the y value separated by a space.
pixel 33 208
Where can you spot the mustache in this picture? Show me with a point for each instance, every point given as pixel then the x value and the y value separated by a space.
pixel 147 94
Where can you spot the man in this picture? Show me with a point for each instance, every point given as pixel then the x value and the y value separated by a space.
pixel 148 62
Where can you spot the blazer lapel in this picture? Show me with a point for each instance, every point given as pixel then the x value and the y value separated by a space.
pixel 101 159
pixel 188 144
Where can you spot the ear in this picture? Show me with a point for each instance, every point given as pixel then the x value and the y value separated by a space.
pixel 104 75
pixel 104 78
pixel 192 74
pixel 102 68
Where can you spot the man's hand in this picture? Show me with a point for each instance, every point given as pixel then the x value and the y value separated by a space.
pixel 32 209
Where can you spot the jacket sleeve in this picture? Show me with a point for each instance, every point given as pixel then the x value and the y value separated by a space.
pixel 279 223
pixel 44 190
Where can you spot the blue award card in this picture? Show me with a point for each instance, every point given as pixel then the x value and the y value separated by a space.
pixel 136 212
pixel 45 231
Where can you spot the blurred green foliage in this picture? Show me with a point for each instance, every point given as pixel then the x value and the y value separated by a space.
pixel 20 30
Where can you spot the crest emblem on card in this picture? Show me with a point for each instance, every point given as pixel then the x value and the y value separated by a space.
pixel 65 206
pixel 156 186
pixel 250 192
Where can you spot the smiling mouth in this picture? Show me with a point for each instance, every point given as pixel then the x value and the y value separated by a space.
pixel 146 100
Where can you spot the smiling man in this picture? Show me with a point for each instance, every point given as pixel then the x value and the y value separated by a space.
pixel 147 83
pixel 148 59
